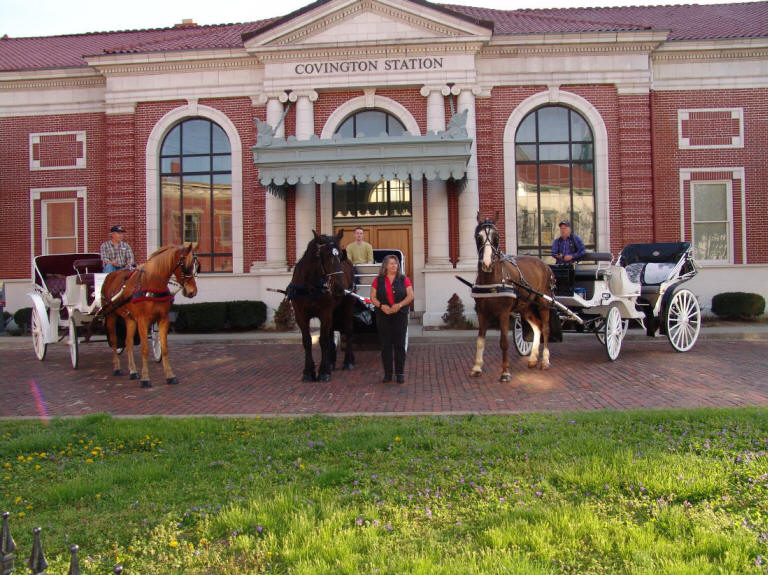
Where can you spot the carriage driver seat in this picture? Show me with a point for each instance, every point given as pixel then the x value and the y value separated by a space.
pixel 620 283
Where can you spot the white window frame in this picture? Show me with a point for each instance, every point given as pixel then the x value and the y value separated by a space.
pixel 685 143
pixel 38 194
pixel 728 222
pixel 44 237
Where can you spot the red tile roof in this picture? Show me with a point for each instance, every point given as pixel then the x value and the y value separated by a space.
pixel 684 22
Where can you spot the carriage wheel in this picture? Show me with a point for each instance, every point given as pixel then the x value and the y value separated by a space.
pixel 38 337
pixel 73 350
pixel 613 332
pixel 523 347
pixel 683 320
pixel 600 333
pixel 154 340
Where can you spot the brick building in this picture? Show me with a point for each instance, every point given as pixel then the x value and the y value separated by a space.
pixel 405 117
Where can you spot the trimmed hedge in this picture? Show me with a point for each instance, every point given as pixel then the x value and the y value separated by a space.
pixel 23 318
pixel 219 316
pixel 738 305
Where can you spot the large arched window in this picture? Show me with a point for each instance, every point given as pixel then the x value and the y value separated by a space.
pixel 196 191
pixel 555 174
pixel 385 198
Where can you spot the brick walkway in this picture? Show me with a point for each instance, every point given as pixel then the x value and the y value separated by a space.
pixel 247 378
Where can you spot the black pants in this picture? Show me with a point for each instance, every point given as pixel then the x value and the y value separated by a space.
pixel 392 329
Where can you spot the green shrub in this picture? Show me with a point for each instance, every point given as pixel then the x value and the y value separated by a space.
pixel 243 314
pixel 23 318
pixel 454 316
pixel 200 317
pixel 284 318
pixel 219 315
pixel 738 305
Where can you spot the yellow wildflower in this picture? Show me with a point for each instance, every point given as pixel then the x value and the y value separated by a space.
pixel 173 543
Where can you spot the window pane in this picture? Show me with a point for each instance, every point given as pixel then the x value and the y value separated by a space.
pixel 370 123
pixel 553 124
pixel 711 241
pixel 553 152
pixel 172 144
pixel 372 199
pixel 196 137
pixel 170 194
pixel 343 201
pixel 710 202
pixel 581 152
pixel 555 199
pixel 170 165
pixel 220 140
pixel 222 209
pixel 526 131
pixel 192 221
pixel 394 126
pixel 347 129
pixel 61 246
pixel 580 130
pixel 61 219
pixel 527 206
pixel 222 163
pixel 196 164
pixel 526 153
pixel 222 264
pixel 400 197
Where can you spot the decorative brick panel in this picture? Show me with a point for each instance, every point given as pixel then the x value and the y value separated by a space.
pixel 710 128
pixel 57 151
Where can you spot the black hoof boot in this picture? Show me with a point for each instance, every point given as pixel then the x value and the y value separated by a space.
pixel 172 381
pixel 401 378
pixel 134 376
pixel 349 366
pixel 386 379
pixel 324 377
pixel 117 372
pixel 308 377
pixel 146 384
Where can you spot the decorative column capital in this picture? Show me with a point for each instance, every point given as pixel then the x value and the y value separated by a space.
pixel 263 97
pixel 426 90
pixel 311 95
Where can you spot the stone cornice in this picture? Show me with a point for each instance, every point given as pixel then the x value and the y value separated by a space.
pixel 48 83
pixel 372 51
pixel 711 55
pixel 178 66
pixel 566 49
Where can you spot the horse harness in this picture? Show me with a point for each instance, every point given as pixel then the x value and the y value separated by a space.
pixel 295 291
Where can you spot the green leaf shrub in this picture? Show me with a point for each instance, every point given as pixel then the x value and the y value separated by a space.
pixel 23 318
pixel 244 315
pixel 209 317
pixel 738 305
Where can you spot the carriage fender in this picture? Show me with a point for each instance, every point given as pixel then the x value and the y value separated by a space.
pixel 39 305
pixel 665 300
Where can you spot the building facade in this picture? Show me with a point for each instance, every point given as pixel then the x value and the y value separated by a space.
pixel 400 116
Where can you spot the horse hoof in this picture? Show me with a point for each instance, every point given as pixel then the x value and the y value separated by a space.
pixel 349 366
pixel 505 378
pixel 134 376
pixel 544 366
pixel 324 377
pixel 475 373
pixel 172 381
pixel 308 377
pixel 146 384
pixel 117 372
pixel 532 365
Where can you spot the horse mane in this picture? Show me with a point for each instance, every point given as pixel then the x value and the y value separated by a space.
pixel 161 257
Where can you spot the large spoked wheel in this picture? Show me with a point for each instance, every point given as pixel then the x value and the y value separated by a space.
pixel 613 333
pixel 601 330
pixel 38 336
pixel 74 355
pixel 523 347
pixel 154 340
pixel 683 320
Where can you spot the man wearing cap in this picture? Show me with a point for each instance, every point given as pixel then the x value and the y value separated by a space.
pixel 116 254
pixel 568 247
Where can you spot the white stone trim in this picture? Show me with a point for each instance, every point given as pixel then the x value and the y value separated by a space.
pixel 602 184
pixel 80 163
pixel 152 181
pixel 81 192
pixel 685 114
pixel 737 173
pixel 362 103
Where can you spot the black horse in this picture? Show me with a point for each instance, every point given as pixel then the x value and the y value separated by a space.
pixel 316 290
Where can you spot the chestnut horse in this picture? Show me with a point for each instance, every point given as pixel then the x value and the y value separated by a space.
pixel 500 290
pixel 316 290
pixel 142 297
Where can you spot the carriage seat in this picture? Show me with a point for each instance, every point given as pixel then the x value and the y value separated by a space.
pixel 595 271
pixel 650 275
pixel 56 284
pixel 87 267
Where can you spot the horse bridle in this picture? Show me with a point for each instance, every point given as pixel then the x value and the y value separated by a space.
pixel 487 226
pixel 334 253
pixel 187 272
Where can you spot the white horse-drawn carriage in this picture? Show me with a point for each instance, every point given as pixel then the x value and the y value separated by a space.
pixel 65 303
pixel 643 285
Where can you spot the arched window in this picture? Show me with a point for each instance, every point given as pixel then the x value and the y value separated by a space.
pixel 555 172
pixel 385 198
pixel 196 191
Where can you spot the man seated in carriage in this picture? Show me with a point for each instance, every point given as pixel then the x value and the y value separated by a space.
pixel 116 254
pixel 568 248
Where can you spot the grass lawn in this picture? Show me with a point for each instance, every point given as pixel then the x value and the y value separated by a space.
pixel 683 492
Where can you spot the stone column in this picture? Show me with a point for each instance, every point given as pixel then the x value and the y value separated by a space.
pixel 437 195
pixel 469 198
pixel 275 216
pixel 305 193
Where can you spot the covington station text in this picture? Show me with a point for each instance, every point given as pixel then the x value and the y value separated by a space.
pixel 393 64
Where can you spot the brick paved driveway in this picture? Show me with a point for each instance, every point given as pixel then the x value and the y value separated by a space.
pixel 256 378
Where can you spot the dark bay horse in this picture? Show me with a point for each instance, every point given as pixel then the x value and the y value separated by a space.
pixel 316 290
pixel 142 297
pixel 500 290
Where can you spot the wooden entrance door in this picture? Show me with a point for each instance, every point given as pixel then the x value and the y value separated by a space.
pixel 389 236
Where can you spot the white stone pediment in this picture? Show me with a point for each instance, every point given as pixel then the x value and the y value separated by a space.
pixel 359 22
